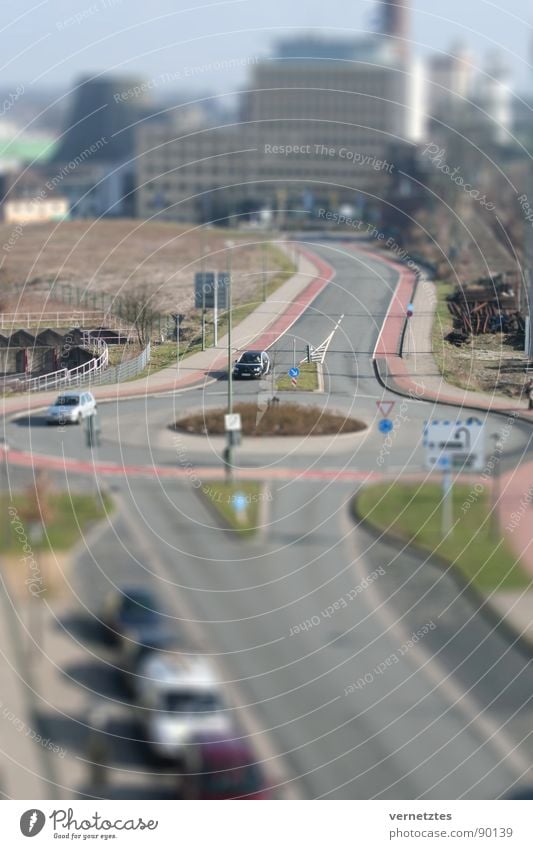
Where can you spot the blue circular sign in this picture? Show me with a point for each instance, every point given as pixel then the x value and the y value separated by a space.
pixel 239 501
pixel 385 425
pixel 294 372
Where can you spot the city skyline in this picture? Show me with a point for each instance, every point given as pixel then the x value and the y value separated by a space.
pixel 95 38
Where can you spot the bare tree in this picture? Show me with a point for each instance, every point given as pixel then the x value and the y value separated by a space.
pixel 137 308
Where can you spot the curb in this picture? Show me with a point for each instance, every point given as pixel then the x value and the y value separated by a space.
pixel 483 605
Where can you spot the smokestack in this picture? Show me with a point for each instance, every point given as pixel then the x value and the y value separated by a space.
pixel 395 23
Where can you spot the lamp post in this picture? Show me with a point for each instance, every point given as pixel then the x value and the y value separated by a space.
pixel 229 447
pixel 263 269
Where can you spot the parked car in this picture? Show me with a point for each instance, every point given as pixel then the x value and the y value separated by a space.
pixel 71 408
pixel 130 611
pixel 177 697
pixel 252 364
pixel 222 768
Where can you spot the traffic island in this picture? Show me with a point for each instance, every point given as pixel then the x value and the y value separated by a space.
pixel 307 380
pixel 238 504
pixel 272 418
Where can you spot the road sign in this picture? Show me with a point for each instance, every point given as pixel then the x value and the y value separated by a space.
pixel 460 444
pixel 294 372
pixel 385 407
pixel 239 502
pixel 232 422
pixel 385 425
pixel 294 381
pixel 205 283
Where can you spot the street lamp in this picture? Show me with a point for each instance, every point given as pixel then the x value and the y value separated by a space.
pixel 229 447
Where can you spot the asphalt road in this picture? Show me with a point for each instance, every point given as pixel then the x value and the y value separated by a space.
pixel 445 716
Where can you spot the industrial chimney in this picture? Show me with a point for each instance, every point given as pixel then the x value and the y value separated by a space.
pixel 394 24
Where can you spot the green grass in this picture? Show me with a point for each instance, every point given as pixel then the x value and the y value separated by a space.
pixel 307 380
pixel 412 512
pixel 165 355
pixel 66 516
pixel 220 495
pixel 442 325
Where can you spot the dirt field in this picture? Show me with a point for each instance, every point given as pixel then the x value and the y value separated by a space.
pixel 117 256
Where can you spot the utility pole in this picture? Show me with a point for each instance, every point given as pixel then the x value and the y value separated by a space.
pixel 203 289
pixel 529 272
pixel 230 437
pixel 264 269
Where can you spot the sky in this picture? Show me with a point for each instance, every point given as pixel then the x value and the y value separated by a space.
pixel 51 42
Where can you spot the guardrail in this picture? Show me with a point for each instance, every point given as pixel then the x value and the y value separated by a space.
pixel 95 372
pixel 93 318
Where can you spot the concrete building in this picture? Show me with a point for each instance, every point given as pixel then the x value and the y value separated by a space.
pixel 320 125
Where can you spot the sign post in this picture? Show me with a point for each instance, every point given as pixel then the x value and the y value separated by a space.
pixel 447 495
pixel 453 445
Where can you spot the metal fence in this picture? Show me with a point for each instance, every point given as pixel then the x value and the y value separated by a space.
pixel 92 318
pixel 124 371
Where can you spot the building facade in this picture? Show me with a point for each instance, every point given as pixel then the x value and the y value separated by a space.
pixel 319 126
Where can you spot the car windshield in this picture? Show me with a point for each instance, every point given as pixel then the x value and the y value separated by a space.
pixel 67 401
pixel 183 701
pixel 139 607
pixel 250 357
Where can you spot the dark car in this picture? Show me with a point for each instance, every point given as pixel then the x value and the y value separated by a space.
pixel 252 364
pixel 221 768
pixel 129 612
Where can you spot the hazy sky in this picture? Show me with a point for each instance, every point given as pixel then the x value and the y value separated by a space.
pixel 53 41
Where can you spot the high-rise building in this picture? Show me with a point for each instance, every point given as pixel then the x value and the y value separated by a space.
pixel 319 126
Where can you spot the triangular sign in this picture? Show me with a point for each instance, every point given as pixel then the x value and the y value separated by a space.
pixel 385 407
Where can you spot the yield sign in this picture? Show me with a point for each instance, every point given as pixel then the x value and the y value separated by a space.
pixel 385 407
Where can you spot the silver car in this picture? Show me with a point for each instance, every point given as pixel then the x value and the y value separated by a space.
pixel 71 408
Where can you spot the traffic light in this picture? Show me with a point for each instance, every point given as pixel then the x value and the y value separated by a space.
pixel 410 310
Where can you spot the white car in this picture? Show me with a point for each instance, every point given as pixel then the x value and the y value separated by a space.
pixel 71 408
pixel 178 696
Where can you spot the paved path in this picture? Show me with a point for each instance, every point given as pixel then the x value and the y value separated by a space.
pixel 411 369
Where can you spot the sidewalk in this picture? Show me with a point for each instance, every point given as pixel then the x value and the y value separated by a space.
pixel 25 767
pixel 262 328
pixel 410 369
